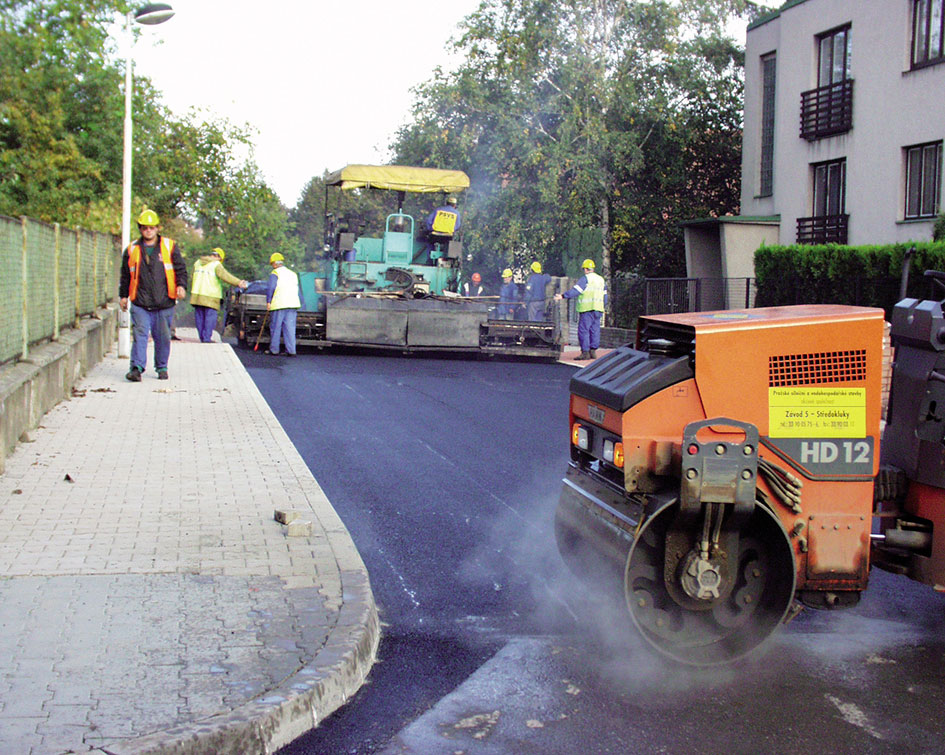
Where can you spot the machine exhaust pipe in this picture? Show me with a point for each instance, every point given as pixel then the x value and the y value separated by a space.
pixel 909 540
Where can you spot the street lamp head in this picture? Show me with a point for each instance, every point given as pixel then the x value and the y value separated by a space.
pixel 153 13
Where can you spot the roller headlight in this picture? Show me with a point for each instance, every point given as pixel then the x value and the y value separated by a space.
pixel 613 453
pixel 580 437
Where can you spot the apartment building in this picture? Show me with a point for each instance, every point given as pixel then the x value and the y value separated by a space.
pixel 843 131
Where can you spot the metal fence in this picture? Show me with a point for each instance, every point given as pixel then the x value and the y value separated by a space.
pixel 50 277
pixel 672 295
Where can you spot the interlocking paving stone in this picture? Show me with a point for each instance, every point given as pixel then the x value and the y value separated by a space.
pixel 152 600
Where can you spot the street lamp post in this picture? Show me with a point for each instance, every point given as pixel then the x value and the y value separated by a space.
pixel 150 15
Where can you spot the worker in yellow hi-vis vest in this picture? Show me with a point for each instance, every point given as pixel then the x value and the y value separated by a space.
pixel 591 294
pixel 443 223
pixel 283 300
pixel 206 292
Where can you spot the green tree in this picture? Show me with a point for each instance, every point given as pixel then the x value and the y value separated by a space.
pixel 244 216
pixel 61 134
pixel 308 218
pixel 53 68
pixel 580 115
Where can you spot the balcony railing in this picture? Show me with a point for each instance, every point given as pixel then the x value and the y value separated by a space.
pixel 823 229
pixel 827 110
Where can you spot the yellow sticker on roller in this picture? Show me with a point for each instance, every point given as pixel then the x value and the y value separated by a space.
pixel 817 412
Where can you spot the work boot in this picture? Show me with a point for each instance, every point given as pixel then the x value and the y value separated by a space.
pixel 134 375
pixel 162 374
pixel 583 357
pixel 593 353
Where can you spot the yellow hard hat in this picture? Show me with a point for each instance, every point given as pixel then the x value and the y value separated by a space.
pixel 276 257
pixel 588 264
pixel 148 217
pixel 536 266
pixel 219 253
pixel 507 273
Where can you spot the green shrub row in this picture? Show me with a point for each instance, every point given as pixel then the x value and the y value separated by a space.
pixel 867 276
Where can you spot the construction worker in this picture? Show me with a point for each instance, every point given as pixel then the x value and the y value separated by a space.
pixel 443 222
pixel 206 291
pixel 283 300
pixel 153 277
pixel 473 287
pixel 508 297
pixel 535 293
pixel 591 294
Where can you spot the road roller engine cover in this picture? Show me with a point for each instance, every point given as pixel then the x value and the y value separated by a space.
pixel 723 468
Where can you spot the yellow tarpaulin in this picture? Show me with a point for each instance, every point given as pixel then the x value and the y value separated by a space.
pixel 399 178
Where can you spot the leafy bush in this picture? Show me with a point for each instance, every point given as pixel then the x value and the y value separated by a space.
pixel 938 230
pixel 834 274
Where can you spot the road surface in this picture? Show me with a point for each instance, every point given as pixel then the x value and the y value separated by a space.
pixel 446 472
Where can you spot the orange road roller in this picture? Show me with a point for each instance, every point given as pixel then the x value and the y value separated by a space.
pixel 727 467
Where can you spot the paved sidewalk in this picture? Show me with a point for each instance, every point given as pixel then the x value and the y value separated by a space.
pixel 149 602
pixel 570 356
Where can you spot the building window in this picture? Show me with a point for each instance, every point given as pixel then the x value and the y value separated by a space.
pixel 828 221
pixel 828 109
pixel 768 69
pixel 923 180
pixel 830 188
pixel 834 57
pixel 928 32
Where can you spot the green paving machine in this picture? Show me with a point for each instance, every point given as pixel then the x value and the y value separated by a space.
pixel 397 287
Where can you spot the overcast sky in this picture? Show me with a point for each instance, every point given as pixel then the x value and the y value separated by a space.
pixel 324 83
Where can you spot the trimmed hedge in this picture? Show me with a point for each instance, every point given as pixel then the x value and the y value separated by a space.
pixel 868 276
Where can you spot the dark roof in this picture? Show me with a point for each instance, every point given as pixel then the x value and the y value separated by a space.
pixel 773 14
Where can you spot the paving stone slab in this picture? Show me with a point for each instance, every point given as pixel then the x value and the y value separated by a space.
pixel 151 603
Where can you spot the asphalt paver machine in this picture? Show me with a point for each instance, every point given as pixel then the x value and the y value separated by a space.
pixel 397 287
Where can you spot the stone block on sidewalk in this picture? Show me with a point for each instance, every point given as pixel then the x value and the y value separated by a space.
pixel 299 528
pixel 284 516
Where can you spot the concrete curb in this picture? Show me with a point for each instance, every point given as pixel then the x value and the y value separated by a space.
pixel 314 691
pixel 298 705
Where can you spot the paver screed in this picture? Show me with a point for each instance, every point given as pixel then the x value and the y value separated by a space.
pixel 147 595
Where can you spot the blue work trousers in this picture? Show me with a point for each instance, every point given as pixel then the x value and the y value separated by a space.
pixel 505 311
pixel 154 323
pixel 589 330
pixel 205 318
pixel 536 310
pixel 282 324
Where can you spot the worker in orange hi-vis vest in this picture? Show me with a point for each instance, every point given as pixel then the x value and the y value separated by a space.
pixel 153 278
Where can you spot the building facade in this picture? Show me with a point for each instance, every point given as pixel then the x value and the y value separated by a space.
pixel 843 130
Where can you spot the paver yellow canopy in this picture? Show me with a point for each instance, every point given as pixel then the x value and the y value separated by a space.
pixel 399 178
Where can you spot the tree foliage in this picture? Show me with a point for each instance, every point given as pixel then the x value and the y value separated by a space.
pixel 612 115
pixel 51 62
pixel 61 141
